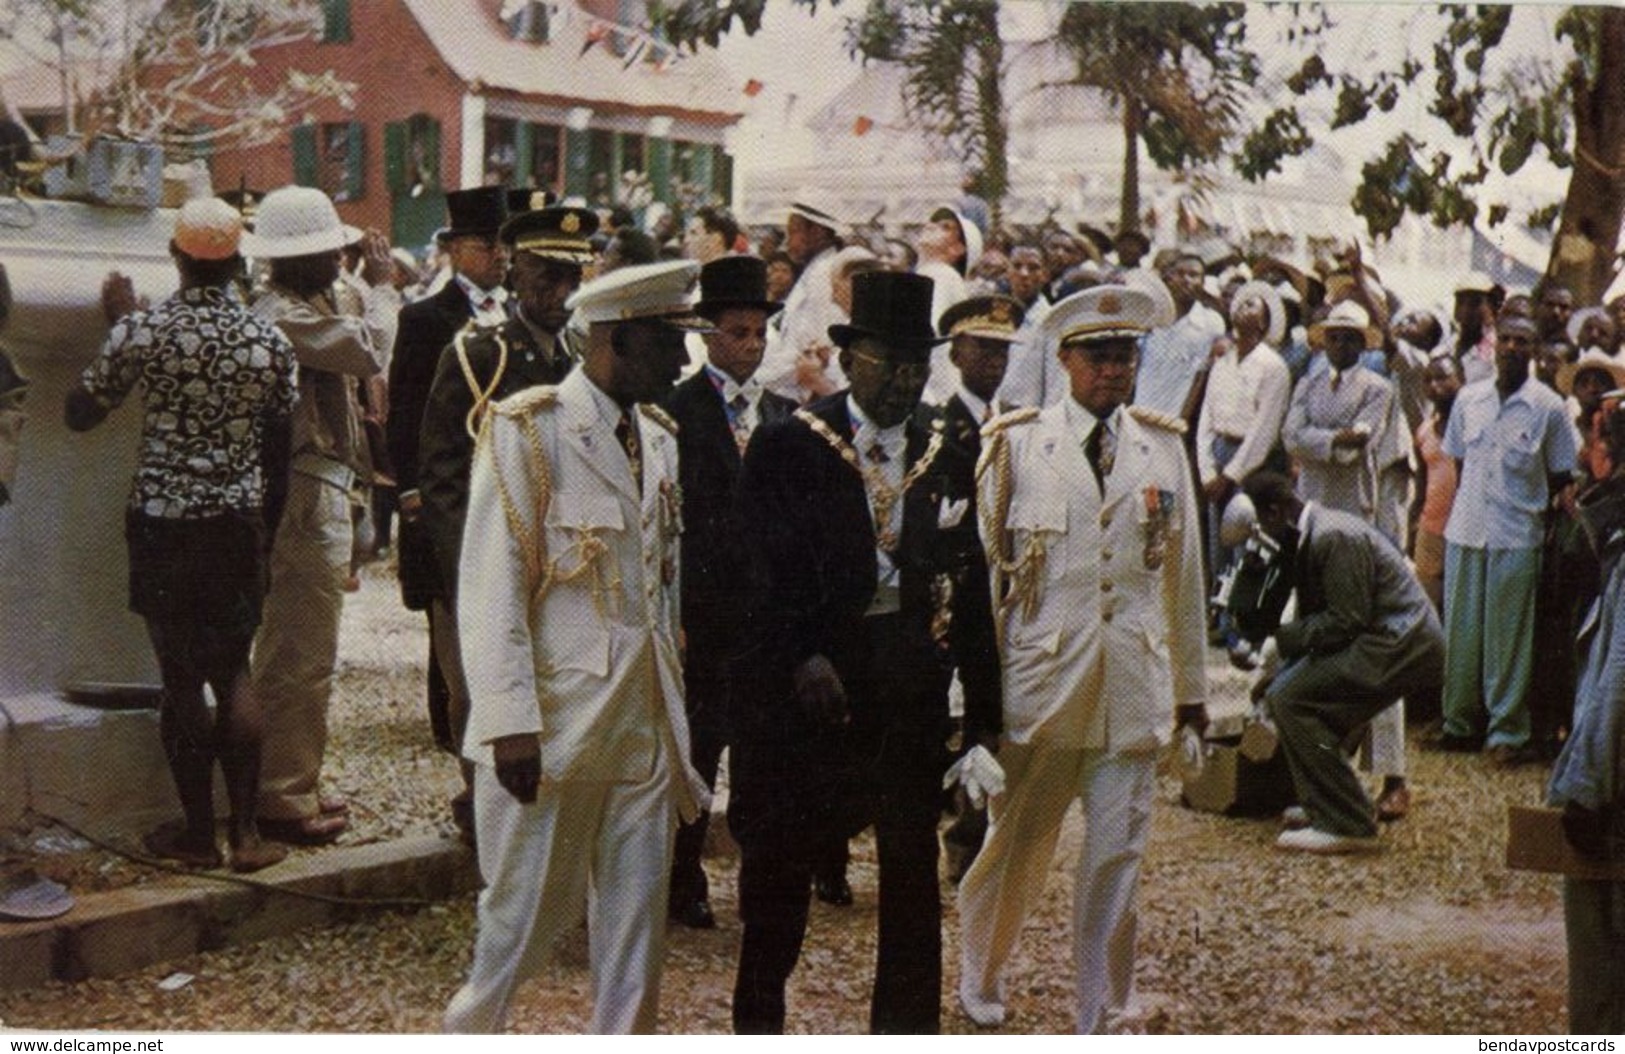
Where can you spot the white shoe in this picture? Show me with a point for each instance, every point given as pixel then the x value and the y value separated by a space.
pixel 1294 817
pixel 988 1013
pixel 1311 840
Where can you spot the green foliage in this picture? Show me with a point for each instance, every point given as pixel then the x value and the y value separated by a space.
pixel 1280 135
pixel 690 22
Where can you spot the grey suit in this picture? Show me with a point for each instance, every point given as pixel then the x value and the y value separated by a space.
pixel 1365 633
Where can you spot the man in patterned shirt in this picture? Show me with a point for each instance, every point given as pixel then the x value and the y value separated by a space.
pixel 211 377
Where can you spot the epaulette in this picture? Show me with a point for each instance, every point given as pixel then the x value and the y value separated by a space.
pixel 658 416
pixel 1009 420
pixel 1157 419
pixel 528 400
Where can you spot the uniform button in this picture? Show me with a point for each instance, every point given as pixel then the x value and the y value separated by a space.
pixel 1106 554
pixel 1105 519
pixel 1106 616
pixel 1105 587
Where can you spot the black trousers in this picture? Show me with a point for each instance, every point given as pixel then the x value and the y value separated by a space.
pixel 900 717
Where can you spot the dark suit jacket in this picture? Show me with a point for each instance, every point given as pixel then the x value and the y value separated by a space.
pixel 715 571
pixel 445 450
pixel 426 327
pixel 804 519
pixel 1365 630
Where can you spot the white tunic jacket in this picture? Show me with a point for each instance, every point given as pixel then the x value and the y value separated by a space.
pixel 591 664
pixel 1116 635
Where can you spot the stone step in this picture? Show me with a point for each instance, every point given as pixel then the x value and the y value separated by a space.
pixel 132 928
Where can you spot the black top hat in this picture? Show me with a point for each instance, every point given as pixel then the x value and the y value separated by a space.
pixel 528 199
pixel 734 282
pixel 476 212
pixel 894 307
pixel 559 233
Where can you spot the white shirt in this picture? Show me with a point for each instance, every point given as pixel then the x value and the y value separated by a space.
pixel 808 313
pixel 490 305
pixel 981 411
pixel 894 442
pixel 742 419
pixel 1246 397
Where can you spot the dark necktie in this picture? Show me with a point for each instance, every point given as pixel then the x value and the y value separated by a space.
pixel 1095 449
pixel 626 431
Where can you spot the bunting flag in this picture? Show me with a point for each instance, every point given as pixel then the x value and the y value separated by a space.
pixel 595 33
pixel 753 87
pixel 862 125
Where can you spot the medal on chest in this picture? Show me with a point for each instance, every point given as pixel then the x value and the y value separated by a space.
pixel 883 497
pixel 1159 515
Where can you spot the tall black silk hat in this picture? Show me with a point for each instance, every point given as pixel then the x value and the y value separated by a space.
pixel 894 308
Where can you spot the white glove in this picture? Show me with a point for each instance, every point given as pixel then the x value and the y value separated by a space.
pixel 1269 658
pixel 979 772
pixel 951 512
pixel 1192 755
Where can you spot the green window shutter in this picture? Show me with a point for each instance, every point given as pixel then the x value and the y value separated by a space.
pixel 335 21
pixel 355 177
pixel 524 148
pixel 431 152
pixel 723 173
pixel 395 174
pixel 659 162
pixel 304 155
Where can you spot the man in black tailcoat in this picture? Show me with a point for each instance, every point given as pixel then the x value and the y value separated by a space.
pixel 475 293
pixel 839 704
pixel 716 411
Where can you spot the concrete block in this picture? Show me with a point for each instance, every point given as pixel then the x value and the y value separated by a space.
pixel 133 928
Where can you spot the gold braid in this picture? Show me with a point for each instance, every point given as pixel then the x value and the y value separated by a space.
pixel 541 574
pixel 1015 580
pixel 482 394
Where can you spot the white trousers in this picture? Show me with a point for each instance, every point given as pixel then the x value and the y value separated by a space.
pixel 1385 742
pixel 1007 878
pixel 600 847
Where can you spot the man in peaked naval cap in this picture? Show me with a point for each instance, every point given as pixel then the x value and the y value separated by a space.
pixel 480 366
pixel 1090 524
pixel 476 293
pixel 980 332
pixel 567 602
pixel 839 703
pixel 212 380
pixel 716 410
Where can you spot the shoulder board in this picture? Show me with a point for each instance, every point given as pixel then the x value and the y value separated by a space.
pixel 1156 419
pixel 1009 420
pixel 529 400
pixel 658 416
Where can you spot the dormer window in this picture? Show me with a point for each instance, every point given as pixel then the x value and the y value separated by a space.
pixel 527 20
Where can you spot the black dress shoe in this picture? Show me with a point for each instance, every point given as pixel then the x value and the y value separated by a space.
pixel 1449 744
pixel 695 914
pixel 833 889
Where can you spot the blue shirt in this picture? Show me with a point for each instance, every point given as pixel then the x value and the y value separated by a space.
pixel 1170 358
pixel 1507 449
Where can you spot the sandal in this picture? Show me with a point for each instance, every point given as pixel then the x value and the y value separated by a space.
pixel 169 842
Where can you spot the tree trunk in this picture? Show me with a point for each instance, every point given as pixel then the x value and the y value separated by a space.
pixel 990 106
pixel 1128 213
pixel 1588 233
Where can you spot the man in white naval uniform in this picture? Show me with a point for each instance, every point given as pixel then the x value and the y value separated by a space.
pixel 1090 523
pixel 568 606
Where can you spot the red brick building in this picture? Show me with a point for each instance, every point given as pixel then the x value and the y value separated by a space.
pixel 455 93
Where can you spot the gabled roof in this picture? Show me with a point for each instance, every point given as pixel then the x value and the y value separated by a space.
pixel 480 50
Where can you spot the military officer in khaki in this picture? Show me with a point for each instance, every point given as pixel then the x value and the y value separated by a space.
pixel 1090 525
pixel 568 607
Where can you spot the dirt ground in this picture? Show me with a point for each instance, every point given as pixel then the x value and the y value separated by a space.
pixel 1432 935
